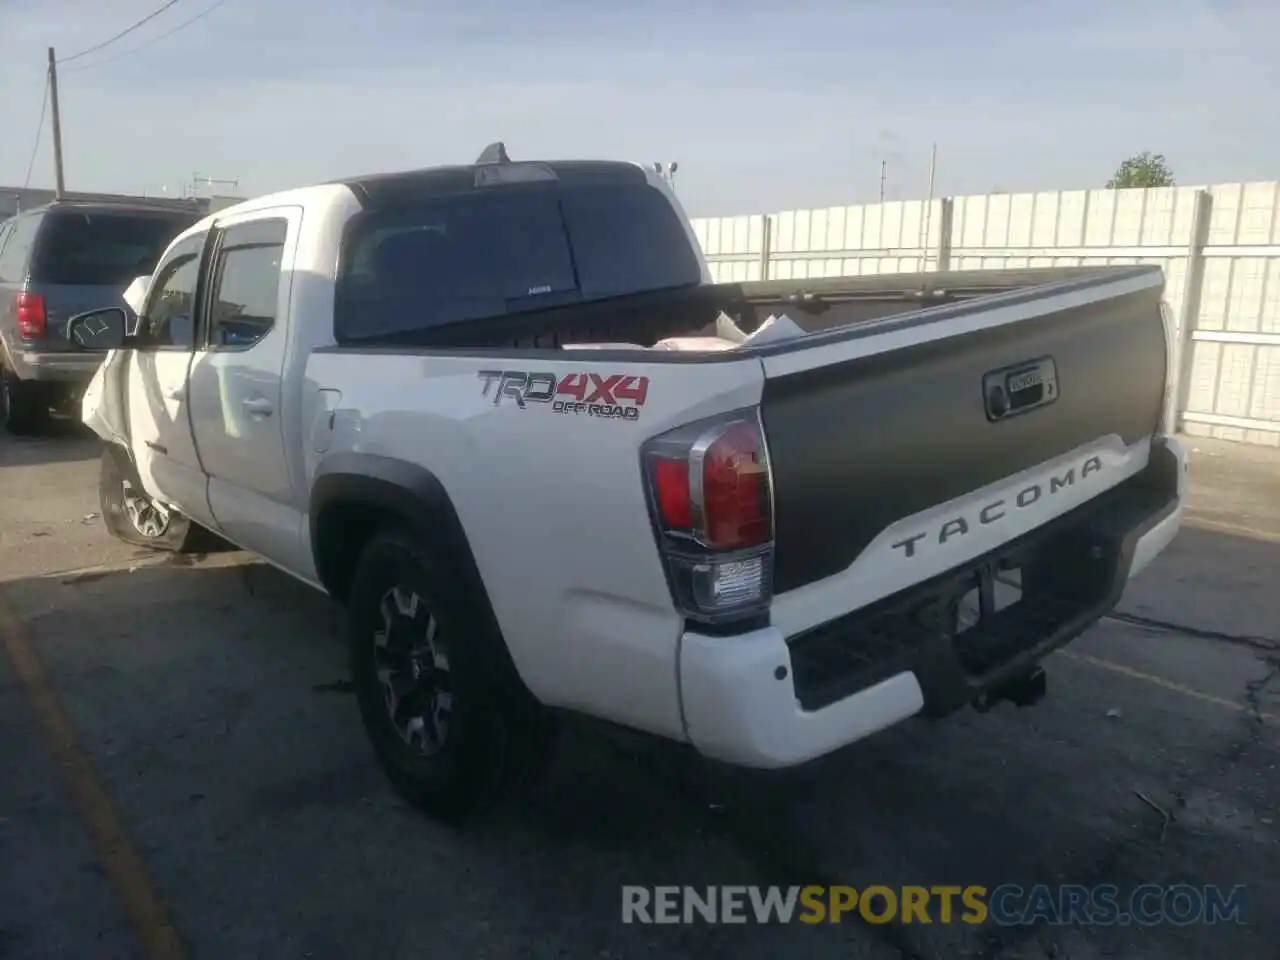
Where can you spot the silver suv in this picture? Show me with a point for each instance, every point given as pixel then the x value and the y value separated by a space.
pixel 55 261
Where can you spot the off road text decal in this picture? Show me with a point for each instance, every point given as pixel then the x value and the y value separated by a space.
pixel 614 396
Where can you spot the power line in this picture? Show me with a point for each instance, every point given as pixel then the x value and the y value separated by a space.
pixel 156 39
pixel 35 149
pixel 123 33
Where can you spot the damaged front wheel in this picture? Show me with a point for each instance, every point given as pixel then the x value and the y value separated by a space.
pixel 132 516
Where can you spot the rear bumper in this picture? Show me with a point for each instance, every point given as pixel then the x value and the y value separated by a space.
pixel 765 700
pixel 55 366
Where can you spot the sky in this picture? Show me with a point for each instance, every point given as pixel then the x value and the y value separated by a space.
pixel 765 104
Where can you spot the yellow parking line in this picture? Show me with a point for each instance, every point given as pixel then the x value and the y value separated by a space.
pixel 124 865
pixel 1195 520
pixel 1165 684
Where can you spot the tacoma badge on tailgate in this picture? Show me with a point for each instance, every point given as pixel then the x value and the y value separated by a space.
pixel 1020 388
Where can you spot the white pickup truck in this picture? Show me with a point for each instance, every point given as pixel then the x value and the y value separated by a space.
pixel 414 391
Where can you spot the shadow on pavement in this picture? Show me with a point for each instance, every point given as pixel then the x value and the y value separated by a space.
pixel 213 698
pixel 62 441
pixel 1214 583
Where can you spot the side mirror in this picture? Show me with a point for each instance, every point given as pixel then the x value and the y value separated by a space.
pixel 101 329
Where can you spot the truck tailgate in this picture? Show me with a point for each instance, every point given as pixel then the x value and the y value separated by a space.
pixel 887 426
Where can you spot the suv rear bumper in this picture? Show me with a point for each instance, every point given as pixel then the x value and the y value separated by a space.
pixel 764 700
pixel 55 366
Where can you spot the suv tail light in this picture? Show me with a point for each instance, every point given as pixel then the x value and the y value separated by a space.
pixel 31 316
pixel 711 498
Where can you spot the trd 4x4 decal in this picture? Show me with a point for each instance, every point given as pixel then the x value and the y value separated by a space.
pixel 616 396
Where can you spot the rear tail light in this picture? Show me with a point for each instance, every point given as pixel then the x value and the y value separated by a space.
pixel 31 316
pixel 711 497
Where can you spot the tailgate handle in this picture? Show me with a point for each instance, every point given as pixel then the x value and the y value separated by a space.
pixel 1020 388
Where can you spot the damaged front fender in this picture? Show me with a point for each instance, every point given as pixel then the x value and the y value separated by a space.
pixel 102 409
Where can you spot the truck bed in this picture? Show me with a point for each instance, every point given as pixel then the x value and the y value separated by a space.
pixel 907 392
pixel 831 302
pixel 818 305
pixel 891 402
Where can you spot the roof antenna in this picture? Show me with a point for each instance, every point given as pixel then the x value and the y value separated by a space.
pixel 494 153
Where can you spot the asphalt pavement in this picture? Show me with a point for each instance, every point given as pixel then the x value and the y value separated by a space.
pixel 183 773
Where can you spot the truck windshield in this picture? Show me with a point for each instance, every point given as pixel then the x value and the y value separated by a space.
pixel 104 249
pixel 497 252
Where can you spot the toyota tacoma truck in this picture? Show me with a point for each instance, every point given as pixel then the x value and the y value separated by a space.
pixel 434 396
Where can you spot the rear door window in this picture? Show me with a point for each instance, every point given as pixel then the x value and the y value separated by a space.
pixel 497 252
pixel 106 249
pixel 17 248
pixel 246 283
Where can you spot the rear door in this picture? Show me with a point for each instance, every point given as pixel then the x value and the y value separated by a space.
pixel 236 384
pixel 84 258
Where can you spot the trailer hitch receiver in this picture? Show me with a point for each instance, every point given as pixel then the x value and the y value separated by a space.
pixel 1023 690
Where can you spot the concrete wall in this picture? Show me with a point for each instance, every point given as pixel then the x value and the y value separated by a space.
pixel 1219 247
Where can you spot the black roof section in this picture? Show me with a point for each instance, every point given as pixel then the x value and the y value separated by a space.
pixel 411 186
pixel 103 203
pixel 16 200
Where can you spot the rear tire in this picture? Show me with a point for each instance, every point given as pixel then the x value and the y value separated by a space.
pixel 65 399
pixel 453 729
pixel 23 407
pixel 130 515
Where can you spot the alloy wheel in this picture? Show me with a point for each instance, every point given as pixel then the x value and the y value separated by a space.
pixel 413 669
pixel 148 517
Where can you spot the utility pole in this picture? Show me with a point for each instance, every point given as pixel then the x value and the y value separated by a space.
pixel 58 182
pixel 933 168
pixel 928 208
pixel 884 173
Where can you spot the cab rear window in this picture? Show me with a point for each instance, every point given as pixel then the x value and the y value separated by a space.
pixel 498 252
pixel 106 249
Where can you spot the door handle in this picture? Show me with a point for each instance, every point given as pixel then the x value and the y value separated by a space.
pixel 259 407
pixel 177 393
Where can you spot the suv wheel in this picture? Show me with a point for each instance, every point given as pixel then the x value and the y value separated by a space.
pixel 451 730
pixel 22 407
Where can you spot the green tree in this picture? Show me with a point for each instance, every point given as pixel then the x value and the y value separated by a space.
pixel 1144 169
